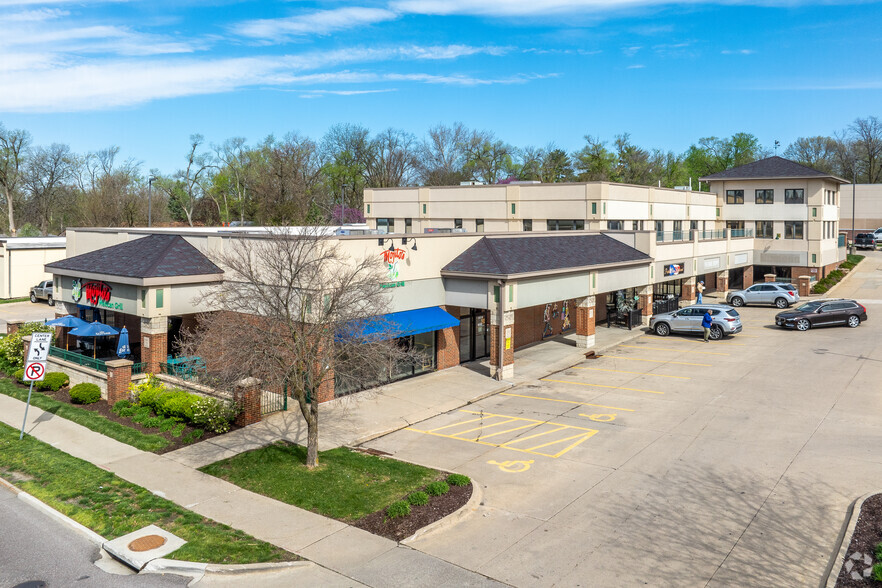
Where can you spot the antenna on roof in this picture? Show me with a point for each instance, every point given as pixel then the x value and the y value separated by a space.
pixel 777 144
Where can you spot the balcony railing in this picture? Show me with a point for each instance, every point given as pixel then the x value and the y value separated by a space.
pixel 78 358
pixel 672 236
pixel 741 233
pixel 706 235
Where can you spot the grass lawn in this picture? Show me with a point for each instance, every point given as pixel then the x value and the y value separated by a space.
pixel 113 507
pixel 87 418
pixel 9 300
pixel 347 485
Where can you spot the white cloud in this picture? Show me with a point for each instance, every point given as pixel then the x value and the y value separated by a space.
pixel 320 22
pixel 322 93
pixel 631 51
pixel 638 66
pixel 738 52
pixel 39 15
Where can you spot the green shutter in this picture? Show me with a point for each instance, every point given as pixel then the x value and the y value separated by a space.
pixel 593 208
pixel 512 207
pixel 496 294
pixel 159 293
pixel 511 293
pixel 424 209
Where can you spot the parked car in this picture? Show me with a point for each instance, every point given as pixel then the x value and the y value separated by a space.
pixel 726 321
pixel 823 313
pixel 865 241
pixel 779 294
pixel 43 291
pixel 878 234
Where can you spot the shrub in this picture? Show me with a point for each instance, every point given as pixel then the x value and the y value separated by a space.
pixel 193 435
pixel 19 375
pixel 878 552
pixel 153 422
pixel 437 488
pixel 151 385
pixel 54 381
pixel 142 414
pixel 176 404
pixel 168 425
pixel 178 430
pixel 458 480
pixel 85 393
pixel 214 415
pixel 12 346
pixel 128 411
pixel 398 509
pixel 877 572
pixel 418 498
pixel 120 406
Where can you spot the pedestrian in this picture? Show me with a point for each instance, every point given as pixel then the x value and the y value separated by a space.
pixel 706 323
pixel 700 288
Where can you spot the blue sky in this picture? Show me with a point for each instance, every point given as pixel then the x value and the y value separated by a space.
pixel 145 75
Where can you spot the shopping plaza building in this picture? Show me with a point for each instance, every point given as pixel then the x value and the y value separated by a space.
pixel 480 271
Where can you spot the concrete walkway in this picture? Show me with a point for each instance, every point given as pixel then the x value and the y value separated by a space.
pixel 356 557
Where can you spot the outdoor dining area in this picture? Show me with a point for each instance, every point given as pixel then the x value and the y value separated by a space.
pixel 90 344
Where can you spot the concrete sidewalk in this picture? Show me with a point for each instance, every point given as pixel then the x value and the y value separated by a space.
pixel 356 556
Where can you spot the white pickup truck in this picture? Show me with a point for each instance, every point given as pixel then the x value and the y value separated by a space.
pixel 43 291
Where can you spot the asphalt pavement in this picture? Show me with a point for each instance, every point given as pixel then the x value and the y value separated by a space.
pixel 37 548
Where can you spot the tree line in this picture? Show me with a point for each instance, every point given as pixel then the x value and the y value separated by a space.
pixel 297 180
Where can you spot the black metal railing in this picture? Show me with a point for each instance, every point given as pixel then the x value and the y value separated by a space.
pixel 629 318
pixel 665 305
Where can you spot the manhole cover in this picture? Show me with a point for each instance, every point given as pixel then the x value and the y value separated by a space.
pixel 146 543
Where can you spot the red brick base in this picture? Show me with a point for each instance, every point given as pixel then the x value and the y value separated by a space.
pixel 247 395
pixel 119 376
pixel 154 351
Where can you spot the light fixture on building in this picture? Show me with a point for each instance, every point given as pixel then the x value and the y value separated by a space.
pixel 381 242
pixel 391 245
pixel 414 245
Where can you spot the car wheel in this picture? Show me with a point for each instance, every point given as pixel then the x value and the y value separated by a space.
pixel 853 321
pixel 662 329
pixel 716 333
pixel 803 325
pixel 781 303
pixel 33 297
pixel 737 301
pixel 50 301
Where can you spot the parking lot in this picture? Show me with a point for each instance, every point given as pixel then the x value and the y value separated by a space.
pixel 668 461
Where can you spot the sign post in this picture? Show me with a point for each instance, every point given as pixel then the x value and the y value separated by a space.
pixel 35 368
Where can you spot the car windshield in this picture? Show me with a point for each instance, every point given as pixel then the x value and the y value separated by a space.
pixel 864 235
pixel 808 306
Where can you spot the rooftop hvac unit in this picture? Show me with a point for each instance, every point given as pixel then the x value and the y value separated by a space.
pixel 433 230
pixel 472 183
pixel 459 230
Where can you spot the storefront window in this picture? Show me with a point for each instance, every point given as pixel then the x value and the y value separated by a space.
pixel 671 288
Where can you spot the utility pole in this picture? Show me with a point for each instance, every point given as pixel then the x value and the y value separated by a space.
pixel 150 181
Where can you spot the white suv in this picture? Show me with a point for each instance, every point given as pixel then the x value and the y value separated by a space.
pixel 778 294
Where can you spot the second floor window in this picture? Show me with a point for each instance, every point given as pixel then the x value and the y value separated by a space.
pixel 479 225
pixel 408 225
pixel 764 230
pixel 457 223
pixel 734 196
pixel 528 224
pixel 793 229
pixel 615 225
pixel 765 196
pixel 386 225
pixel 794 196
pixel 565 225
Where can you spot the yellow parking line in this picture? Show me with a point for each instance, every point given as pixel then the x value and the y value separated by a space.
pixel 505 431
pixel 601 386
pixel 519 439
pixel 565 401
pixel 669 349
pixel 658 360
pixel 482 427
pixel 575 367
pixel 458 424
pixel 580 436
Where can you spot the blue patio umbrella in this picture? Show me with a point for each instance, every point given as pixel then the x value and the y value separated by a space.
pixel 94 330
pixel 67 321
pixel 122 348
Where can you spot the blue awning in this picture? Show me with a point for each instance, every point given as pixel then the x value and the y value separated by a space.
pixel 402 324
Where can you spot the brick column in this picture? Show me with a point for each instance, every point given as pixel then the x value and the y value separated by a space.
pixel 586 321
pixel 805 285
pixel 748 276
pixel 26 346
pixel 447 343
pixel 508 342
pixel 119 376
pixel 645 304
pixel 768 278
pixel 723 281
pixel 246 394
pixel 324 392
pixel 13 326
pixel 154 343
pixel 687 293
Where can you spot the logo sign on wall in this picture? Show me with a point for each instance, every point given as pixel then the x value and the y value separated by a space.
pixel 674 269
pixel 391 259
pixel 96 293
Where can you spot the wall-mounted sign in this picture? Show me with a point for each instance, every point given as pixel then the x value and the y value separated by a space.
pixel 674 269
pixel 391 259
pixel 392 285
pixel 96 293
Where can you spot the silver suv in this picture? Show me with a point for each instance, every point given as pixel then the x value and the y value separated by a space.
pixel 43 291
pixel 773 293
pixel 726 321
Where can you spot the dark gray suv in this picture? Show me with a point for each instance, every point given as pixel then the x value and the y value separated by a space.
pixel 726 321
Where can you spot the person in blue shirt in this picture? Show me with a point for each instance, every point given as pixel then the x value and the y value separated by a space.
pixel 706 323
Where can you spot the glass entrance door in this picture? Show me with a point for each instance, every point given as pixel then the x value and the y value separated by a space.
pixel 465 338
pixel 481 333
pixel 474 335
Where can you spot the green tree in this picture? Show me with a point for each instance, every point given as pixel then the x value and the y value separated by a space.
pixel 594 162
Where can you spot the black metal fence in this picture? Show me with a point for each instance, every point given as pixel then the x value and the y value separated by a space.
pixel 627 318
pixel 666 305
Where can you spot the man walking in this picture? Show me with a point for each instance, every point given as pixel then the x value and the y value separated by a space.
pixel 700 288
pixel 706 323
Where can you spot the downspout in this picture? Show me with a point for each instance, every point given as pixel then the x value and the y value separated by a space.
pixel 501 324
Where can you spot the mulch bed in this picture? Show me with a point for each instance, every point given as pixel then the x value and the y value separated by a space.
pixel 867 533
pixel 104 409
pixel 420 516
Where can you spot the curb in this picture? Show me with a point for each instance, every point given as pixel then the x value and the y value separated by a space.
pixel 836 563
pixel 453 518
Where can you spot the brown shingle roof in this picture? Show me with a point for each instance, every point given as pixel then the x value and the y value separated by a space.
pixel 505 256
pixel 770 167
pixel 155 256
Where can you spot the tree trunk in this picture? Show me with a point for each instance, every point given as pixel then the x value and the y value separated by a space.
pixel 10 212
pixel 312 435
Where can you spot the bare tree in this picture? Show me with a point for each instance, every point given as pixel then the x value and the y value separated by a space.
pixel 110 194
pixel 487 159
pixel 233 158
pixel 14 146
pixel 296 311
pixel 866 137
pixel 187 186
pixel 47 179
pixel 285 178
pixel 442 157
pixel 816 152
pixel 392 159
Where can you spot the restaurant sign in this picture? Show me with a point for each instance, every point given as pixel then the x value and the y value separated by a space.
pixel 96 293
pixel 391 259
pixel 674 269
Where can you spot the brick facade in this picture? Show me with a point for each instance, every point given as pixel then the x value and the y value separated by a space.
pixel 585 320
pixel 723 281
pixel 687 292
pixel 447 343
pixel 531 322
pixel 748 277
pixel 119 376
pixel 508 354
pixel 247 395
pixel 154 351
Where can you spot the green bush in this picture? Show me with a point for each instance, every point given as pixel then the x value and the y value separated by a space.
pixel 120 406
pixel 128 411
pixel 19 375
pixel 12 346
pixel 151 385
pixel 877 572
pixel 418 498
pixel 142 414
pixel 458 480
pixel 176 404
pixel 398 509
pixel 85 393
pixel 214 415
pixel 437 488
pixel 168 425
pixel 153 422
pixel 193 435
pixel 878 552
pixel 54 381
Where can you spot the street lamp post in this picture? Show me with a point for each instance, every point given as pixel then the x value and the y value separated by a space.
pixel 853 188
pixel 150 181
